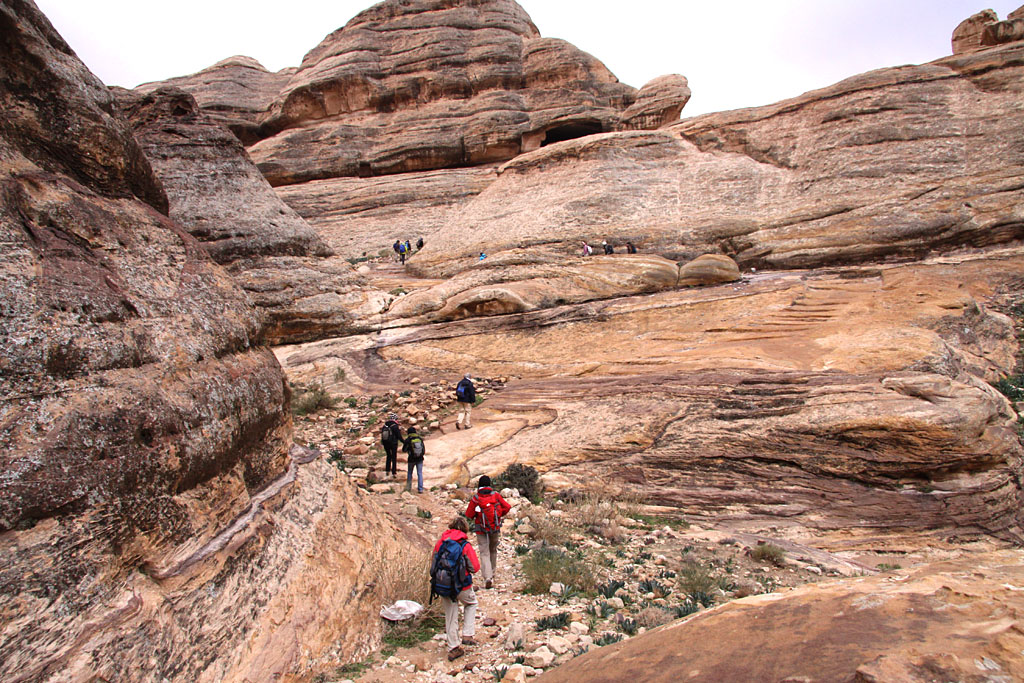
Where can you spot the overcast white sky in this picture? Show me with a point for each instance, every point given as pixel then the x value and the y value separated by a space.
pixel 735 53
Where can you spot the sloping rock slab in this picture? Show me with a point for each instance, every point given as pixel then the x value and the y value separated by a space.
pixel 950 621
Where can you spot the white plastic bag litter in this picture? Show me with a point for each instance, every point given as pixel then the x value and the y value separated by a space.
pixel 401 610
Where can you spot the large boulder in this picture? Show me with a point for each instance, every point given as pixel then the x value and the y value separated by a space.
pixel 984 29
pixel 146 428
pixel 950 621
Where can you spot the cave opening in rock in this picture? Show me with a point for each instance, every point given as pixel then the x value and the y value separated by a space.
pixel 571 131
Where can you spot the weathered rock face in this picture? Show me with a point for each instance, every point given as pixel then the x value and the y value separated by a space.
pixel 152 524
pixel 897 163
pixel 217 193
pixel 951 621
pixel 236 92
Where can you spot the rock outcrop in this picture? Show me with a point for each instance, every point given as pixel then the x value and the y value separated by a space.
pixel 985 30
pixel 950 621
pixel 153 525
pixel 216 192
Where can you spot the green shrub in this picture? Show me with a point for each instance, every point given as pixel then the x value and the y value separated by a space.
pixel 768 552
pixel 1012 387
pixel 653 586
pixel 425 514
pixel 339 374
pixel 545 566
pixel 629 626
pixel 351 401
pixel 554 621
pixel 522 477
pixel 522 549
pixel 696 578
pixel 608 639
pixel 312 399
pixel 609 589
pixel 684 610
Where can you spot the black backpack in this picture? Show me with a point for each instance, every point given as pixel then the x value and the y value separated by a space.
pixel 387 433
pixel 449 574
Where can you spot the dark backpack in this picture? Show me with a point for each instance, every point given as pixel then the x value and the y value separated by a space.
pixel 387 433
pixel 487 519
pixel 416 448
pixel 450 574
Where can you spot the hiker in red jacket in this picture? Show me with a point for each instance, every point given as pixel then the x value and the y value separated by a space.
pixel 487 509
pixel 457 532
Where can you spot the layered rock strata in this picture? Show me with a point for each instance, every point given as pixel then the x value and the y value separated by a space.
pixel 853 403
pixel 984 30
pixel 893 164
pixel 951 621
pixel 216 192
pixel 153 525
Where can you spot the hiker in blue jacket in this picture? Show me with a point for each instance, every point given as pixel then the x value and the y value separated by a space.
pixel 465 394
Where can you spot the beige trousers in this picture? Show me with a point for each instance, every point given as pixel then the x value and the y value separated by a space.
pixel 465 410
pixel 488 545
pixel 451 617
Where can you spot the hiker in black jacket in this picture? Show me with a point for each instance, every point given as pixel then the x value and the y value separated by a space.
pixel 414 448
pixel 390 435
pixel 465 394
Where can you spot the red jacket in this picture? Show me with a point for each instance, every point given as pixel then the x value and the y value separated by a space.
pixel 483 496
pixel 467 550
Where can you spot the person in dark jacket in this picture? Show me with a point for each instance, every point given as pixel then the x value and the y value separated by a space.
pixel 608 249
pixel 415 450
pixel 465 394
pixel 419 244
pixel 487 509
pixel 396 246
pixel 630 248
pixel 457 531
pixel 390 436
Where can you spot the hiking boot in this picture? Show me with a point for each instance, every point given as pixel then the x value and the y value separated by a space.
pixel 458 425
pixel 489 584
pixel 468 640
pixel 455 653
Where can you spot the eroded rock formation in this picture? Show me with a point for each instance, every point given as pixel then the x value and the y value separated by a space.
pixel 985 30
pixel 951 621
pixel 147 491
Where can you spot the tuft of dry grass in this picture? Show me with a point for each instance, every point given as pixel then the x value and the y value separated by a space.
pixel 651 617
pixel 548 529
pixel 768 552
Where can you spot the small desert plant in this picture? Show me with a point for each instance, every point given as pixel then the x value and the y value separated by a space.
pixel 666 574
pixel 1012 387
pixel 768 552
pixel 653 586
pixel 546 565
pixel 351 401
pixel 548 529
pixel 554 621
pixel 651 617
pixel 522 477
pixel 499 673
pixel 609 589
pixel 885 567
pixel 522 549
pixel 608 639
pixel 684 610
pixel 313 399
pixel 339 374
pixel 696 578
pixel 425 514
pixel 629 626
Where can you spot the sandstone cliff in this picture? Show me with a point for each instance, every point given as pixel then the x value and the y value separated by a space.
pixel 147 493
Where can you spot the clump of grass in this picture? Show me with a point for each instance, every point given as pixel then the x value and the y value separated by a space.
pixel 339 374
pixel 1012 387
pixel 768 552
pixel 522 477
pixel 885 567
pixel 548 530
pixel 522 549
pixel 608 639
pixel 545 565
pixel 554 621
pixel 651 617
pixel 313 399
pixel 696 578
pixel 629 626
pixel 609 589
pixel 424 514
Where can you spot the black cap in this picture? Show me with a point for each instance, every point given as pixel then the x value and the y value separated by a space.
pixel 484 481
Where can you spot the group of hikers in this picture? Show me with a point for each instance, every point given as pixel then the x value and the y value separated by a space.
pixel 608 248
pixel 454 561
pixel 403 249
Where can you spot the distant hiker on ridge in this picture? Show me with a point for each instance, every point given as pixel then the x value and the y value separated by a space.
pixel 465 394
pixel 608 249
pixel 402 249
pixel 419 244
pixel 630 248
pixel 487 509
pixel 587 251
pixel 396 246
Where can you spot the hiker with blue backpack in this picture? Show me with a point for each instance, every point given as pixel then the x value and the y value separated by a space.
pixel 487 509
pixel 465 394
pixel 415 450
pixel 451 578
